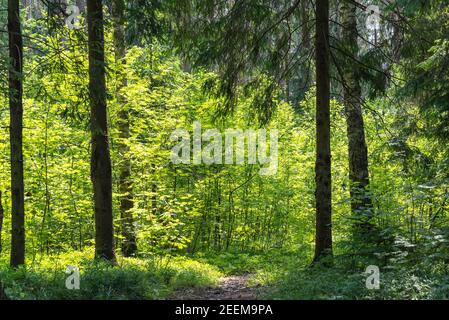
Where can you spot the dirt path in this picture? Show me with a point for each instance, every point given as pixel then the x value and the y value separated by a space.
pixel 230 288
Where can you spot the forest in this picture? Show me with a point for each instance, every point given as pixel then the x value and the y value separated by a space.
pixel 224 149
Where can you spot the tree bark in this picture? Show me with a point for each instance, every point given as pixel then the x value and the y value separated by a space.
pixel 361 205
pixel 129 244
pixel 1 222
pixel 101 171
pixel 16 126
pixel 323 192
pixel 306 44
pixel 305 25
pixel 3 295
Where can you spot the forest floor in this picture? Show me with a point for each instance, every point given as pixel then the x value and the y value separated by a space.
pixel 233 287
pixel 224 276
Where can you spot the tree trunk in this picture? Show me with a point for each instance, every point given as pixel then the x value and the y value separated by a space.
pixel 357 150
pixel 16 126
pixel 3 295
pixel 1 222
pixel 305 25
pixel 101 171
pixel 323 192
pixel 129 245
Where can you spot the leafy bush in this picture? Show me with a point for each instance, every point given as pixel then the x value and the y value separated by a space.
pixel 397 281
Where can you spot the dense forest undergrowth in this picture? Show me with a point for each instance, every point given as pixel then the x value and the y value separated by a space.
pixel 276 275
pixel 121 149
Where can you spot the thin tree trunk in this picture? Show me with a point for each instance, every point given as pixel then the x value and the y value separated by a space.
pixel 305 25
pixel 101 171
pixel 43 233
pixel 3 295
pixel 16 126
pixel 305 74
pixel 1 222
pixel 357 150
pixel 129 244
pixel 323 192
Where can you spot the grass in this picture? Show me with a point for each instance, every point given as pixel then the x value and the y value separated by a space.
pixel 289 275
pixel 284 275
pixel 346 282
pixel 150 278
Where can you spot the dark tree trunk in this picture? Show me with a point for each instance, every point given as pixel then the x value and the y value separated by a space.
pixel 357 150
pixel 129 245
pixel 16 125
pixel 3 295
pixel 323 192
pixel 305 25
pixel 397 39
pixel 306 44
pixel 101 171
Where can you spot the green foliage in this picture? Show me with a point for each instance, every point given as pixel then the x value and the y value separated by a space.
pixel 151 278
pixel 245 68
pixel 425 280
